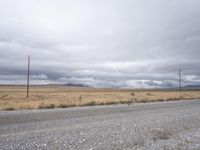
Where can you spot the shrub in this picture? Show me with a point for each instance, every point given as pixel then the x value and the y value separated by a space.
pixel 111 103
pixel 47 106
pixel 126 102
pixel 133 94
pixel 92 103
pixel 66 105
pixel 149 94
pixel 9 108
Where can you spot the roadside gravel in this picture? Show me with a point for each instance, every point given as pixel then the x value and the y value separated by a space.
pixel 154 126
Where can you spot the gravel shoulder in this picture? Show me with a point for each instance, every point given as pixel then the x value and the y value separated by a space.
pixel 160 125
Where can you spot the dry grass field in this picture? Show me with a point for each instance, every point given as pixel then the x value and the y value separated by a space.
pixel 14 97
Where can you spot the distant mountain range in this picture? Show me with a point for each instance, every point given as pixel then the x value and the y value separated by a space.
pixel 75 85
pixel 82 85
pixel 68 85
pixel 192 87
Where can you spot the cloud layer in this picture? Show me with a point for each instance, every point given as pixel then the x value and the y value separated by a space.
pixel 129 43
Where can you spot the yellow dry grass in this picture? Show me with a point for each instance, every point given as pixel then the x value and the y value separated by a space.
pixel 14 97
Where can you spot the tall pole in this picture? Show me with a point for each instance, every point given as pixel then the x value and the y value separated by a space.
pixel 28 74
pixel 179 74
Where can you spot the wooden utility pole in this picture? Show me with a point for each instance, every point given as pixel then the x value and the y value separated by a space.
pixel 179 74
pixel 28 74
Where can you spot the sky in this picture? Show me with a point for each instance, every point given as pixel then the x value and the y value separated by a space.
pixel 100 43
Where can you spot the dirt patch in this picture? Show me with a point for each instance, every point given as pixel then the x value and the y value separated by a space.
pixel 159 134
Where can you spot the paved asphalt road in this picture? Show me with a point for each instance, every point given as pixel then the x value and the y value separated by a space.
pixel 164 125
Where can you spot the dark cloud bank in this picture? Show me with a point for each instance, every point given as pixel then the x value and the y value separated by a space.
pixel 116 43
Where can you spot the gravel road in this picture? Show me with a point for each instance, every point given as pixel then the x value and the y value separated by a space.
pixel 160 125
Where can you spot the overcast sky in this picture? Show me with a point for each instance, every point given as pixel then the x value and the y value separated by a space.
pixel 100 43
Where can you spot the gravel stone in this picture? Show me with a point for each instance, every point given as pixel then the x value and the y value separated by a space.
pixel 152 126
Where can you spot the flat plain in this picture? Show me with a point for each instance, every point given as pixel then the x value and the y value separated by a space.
pixel 14 97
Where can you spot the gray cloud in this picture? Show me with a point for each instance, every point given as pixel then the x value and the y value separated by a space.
pixel 131 43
